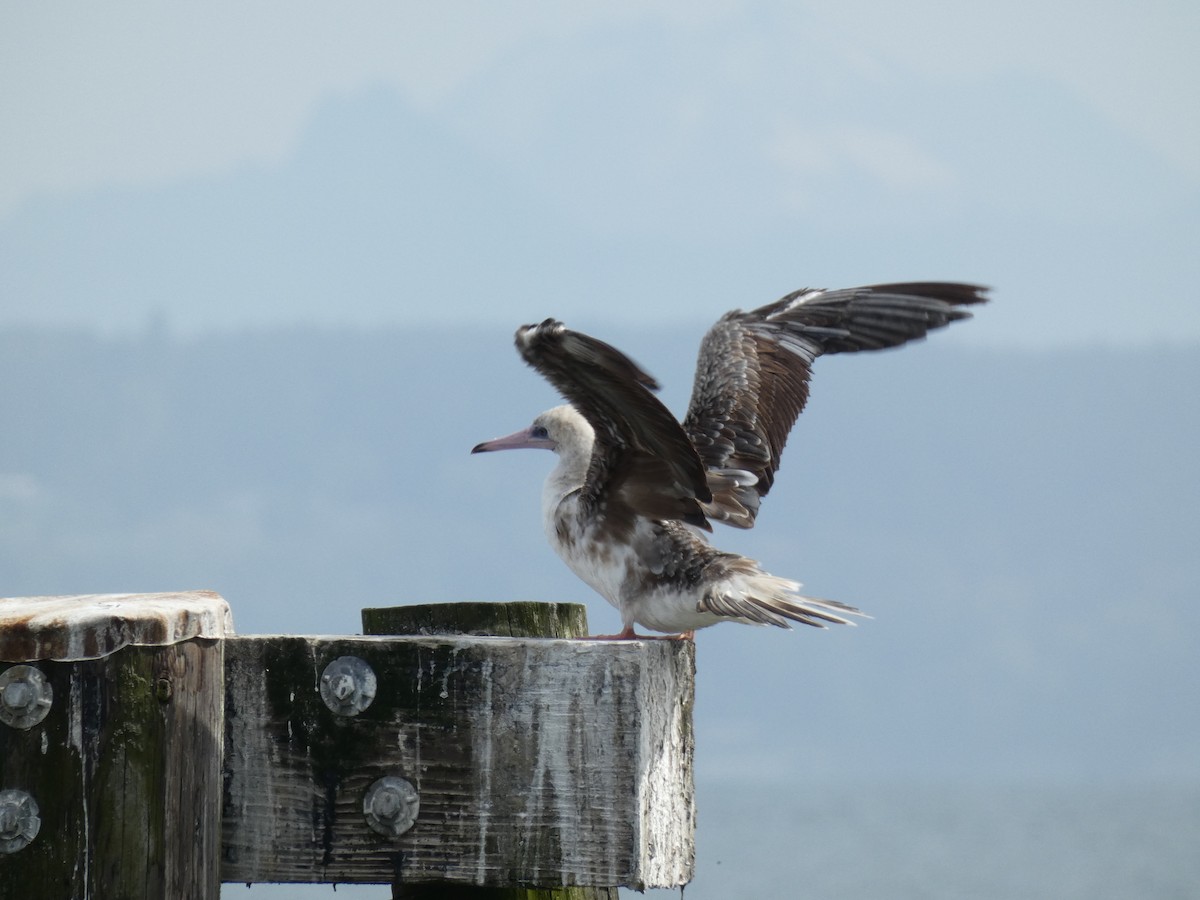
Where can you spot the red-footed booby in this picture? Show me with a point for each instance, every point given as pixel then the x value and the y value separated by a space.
pixel 634 487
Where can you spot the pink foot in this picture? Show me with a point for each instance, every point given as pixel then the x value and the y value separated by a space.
pixel 628 634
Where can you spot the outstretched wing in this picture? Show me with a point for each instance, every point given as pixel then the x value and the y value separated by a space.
pixel 754 367
pixel 642 462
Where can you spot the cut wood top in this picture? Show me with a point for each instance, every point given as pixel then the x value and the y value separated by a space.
pixel 90 626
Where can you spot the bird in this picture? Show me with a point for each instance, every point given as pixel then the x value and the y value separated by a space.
pixel 629 504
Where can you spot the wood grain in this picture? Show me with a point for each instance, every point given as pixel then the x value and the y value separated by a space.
pixel 538 762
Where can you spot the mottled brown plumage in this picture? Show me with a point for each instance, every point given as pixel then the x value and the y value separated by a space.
pixel 629 473
pixel 649 467
pixel 754 367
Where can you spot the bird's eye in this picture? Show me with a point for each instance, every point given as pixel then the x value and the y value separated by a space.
pixel 539 432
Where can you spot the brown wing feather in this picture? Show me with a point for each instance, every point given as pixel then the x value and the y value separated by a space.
pixel 642 459
pixel 754 367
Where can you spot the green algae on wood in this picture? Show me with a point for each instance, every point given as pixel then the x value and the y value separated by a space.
pixel 520 618
pixel 125 768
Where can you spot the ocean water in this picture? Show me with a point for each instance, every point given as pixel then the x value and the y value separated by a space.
pixel 987 843
pixel 923 843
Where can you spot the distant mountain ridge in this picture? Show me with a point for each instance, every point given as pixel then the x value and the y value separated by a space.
pixel 387 215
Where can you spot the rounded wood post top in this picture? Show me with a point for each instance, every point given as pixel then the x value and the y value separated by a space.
pixel 91 626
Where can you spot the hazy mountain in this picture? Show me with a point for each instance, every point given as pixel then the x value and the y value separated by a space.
pixel 385 213
pixel 1021 525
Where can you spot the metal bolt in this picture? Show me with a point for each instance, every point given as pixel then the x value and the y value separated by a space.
pixel 391 805
pixel 19 822
pixel 163 690
pixel 25 697
pixel 348 685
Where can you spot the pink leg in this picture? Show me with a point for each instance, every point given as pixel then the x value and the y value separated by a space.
pixel 627 634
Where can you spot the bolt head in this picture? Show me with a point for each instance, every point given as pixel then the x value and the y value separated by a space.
pixel 17 695
pixel 25 697
pixel 343 686
pixel 19 822
pixel 348 685
pixel 391 805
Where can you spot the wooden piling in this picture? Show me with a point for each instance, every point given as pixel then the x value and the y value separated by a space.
pixel 123 768
pixel 518 619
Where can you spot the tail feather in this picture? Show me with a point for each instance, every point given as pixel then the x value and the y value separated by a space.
pixel 764 599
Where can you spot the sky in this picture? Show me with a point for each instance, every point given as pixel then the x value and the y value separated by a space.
pixel 139 93
pixel 675 159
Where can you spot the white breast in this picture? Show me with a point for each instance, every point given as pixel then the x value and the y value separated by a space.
pixel 602 565
pixel 614 571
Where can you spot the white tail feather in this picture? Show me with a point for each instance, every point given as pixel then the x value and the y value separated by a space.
pixel 765 599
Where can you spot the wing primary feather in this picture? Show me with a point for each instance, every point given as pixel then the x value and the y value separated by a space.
pixel 754 368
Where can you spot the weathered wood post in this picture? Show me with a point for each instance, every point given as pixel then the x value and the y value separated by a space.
pixel 111 739
pixel 146 751
pixel 464 760
pixel 521 619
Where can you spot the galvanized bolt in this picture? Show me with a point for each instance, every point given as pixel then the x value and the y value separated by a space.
pixel 19 822
pixel 348 685
pixel 391 805
pixel 25 697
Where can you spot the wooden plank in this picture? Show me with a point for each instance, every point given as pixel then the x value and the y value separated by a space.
pixel 537 762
